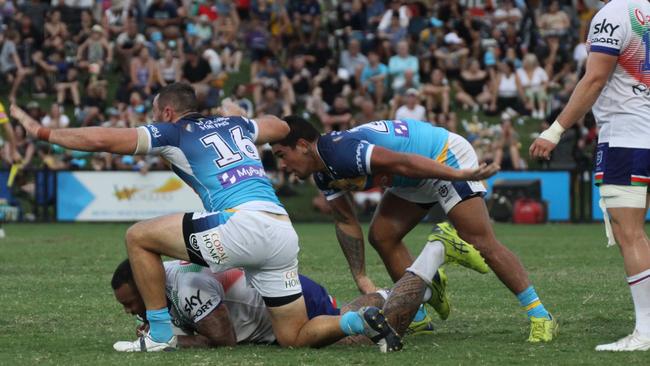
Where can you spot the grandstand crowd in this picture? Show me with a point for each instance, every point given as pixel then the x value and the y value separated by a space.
pixel 456 64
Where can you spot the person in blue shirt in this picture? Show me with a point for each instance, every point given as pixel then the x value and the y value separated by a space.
pixel 374 77
pixel 420 165
pixel 244 224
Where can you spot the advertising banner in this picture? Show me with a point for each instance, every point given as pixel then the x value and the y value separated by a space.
pixel 122 196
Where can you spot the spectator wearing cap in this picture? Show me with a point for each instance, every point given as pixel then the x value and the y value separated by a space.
pixel 162 20
pixel 374 78
pixel 95 50
pixel 412 109
pixel 472 88
pixel 436 92
pixel 352 60
pixel 404 69
pixel 534 81
pixel 452 56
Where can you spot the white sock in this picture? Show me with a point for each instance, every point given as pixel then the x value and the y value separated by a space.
pixel 640 288
pixel 427 263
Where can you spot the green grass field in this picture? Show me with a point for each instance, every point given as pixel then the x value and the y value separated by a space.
pixel 58 308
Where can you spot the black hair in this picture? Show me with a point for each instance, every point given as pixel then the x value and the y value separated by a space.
pixel 299 128
pixel 180 96
pixel 122 275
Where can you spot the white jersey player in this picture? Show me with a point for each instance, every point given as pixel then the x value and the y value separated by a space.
pixel 616 85
pixel 215 309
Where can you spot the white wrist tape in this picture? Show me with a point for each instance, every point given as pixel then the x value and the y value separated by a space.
pixel 553 133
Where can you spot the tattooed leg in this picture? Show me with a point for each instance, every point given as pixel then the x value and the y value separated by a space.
pixel 373 299
pixel 404 301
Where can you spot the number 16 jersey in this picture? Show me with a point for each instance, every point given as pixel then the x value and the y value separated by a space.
pixel 217 157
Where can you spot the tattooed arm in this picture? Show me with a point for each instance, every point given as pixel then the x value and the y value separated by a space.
pixel 350 237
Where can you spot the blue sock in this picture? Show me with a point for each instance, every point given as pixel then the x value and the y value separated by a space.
pixel 421 314
pixel 530 301
pixel 351 323
pixel 160 325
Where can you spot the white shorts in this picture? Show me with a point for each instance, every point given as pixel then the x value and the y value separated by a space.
pixel 264 246
pixel 460 155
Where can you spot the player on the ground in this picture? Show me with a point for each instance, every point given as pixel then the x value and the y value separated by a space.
pixel 219 309
pixel 422 165
pixel 616 83
pixel 244 224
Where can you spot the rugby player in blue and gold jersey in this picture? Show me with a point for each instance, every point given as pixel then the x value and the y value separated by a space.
pixel 420 165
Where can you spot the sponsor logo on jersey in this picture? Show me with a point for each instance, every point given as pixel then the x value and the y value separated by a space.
pixel 211 124
pixel 214 247
pixel 155 132
pixel 401 129
pixel 196 304
pixel 605 27
pixel 291 279
pixel 605 40
pixel 243 172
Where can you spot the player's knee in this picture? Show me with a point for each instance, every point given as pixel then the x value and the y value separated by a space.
pixel 629 237
pixel 380 242
pixel 134 235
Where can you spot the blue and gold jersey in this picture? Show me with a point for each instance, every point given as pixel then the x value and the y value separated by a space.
pixel 217 157
pixel 347 154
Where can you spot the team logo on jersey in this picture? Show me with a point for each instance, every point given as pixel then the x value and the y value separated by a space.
pixel 350 184
pixel 599 157
pixel 443 191
pixel 194 243
pixel 605 27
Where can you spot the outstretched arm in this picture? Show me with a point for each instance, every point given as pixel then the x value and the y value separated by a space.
pixel 420 167
pixel 113 140
pixel 350 237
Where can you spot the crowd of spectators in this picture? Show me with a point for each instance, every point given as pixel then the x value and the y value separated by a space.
pixel 339 63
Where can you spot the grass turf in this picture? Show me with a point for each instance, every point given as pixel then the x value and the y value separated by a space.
pixel 58 307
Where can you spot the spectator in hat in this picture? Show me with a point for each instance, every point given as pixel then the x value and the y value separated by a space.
pixel 452 56
pixel 412 108
pixel 95 50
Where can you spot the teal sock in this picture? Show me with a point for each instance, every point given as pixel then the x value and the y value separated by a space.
pixel 420 315
pixel 160 325
pixel 531 302
pixel 351 323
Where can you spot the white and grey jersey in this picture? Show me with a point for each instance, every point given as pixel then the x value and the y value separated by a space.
pixel 194 292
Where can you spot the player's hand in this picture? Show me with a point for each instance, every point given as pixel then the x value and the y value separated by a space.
pixel 365 285
pixel 21 116
pixel 230 108
pixel 541 149
pixel 483 171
